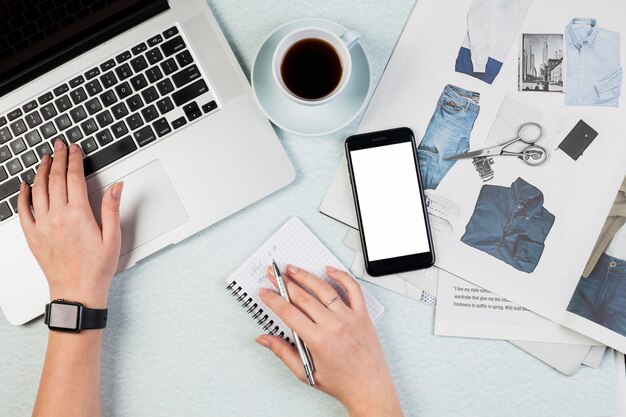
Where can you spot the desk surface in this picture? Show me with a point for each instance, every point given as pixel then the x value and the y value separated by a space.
pixel 156 362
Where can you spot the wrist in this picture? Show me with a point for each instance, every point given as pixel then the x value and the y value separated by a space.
pixel 91 298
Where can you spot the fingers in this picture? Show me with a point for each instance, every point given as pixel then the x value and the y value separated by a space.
pixel 302 299
pixel 285 352
pixel 23 208
pixel 324 291
pixel 352 287
pixel 294 318
pixel 76 184
pixel 40 187
pixel 57 183
pixel 110 214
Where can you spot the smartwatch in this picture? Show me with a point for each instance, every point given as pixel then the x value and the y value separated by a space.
pixel 72 317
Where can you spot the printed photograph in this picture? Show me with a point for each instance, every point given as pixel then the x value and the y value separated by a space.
pixel 541 67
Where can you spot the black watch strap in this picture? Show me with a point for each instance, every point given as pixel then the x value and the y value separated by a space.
pixel 94 319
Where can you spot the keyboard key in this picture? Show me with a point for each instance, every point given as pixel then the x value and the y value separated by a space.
pixel 48 130
pixel 104 137
pixel 108 155
pixel 3 174
pixel 149 95
pixel 134 121
pixel 150 113
pixel 192 111
pixel 93 87
pixel 139 64
pixel 119 110
pixel 169 66
pixel 60 90
pixel 170 32
pixel 134 103
pixel 190 92
pixel 78 114
pixel 210 106
pixel 92 73
pixel 74 134
pixel 3 121
pixel 78 95
pixel 104 119
pixel 30 106
pixel 108 98
pixel 63 122
pixel 142 47
pixel 45 98
pixel 89 146
pixel 32 138
pixel 154 74
pixel 75 82
pixel 186 76
pixel 173 46
pixel 119 129
pixel 14 166
pixel 162 127
pixel 108 79
pixel 18 127
pixel 48 111
pixel 43 149
pixel 144 136
pixel 123 72
pixel 5 135
pixel 5 210
pixel 9 188
pixel 165 87
pixel 155 40
pixel 123 90
pixel 5 153
pixel 28 176
pixel 105 66
pixel 63 103
pixel 93 106
pixel 139 82
pixel 29 159
pixel 165 105
pixel 124 56
pixel 14 114
pixel 33 119
pixel 18 146
pixel 60 137
pixel 13 202
pixel 89 127
pixel 180 122
pixel 184 59
pixel 154 56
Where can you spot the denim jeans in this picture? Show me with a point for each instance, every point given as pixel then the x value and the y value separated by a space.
pixel 447 134
pixel 601 297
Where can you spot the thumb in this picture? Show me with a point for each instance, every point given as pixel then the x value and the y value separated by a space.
pixel 111 233
pixel 285 352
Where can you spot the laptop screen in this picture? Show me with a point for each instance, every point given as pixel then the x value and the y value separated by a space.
pixel 36 35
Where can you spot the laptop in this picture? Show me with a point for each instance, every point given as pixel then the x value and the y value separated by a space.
pixel 155 97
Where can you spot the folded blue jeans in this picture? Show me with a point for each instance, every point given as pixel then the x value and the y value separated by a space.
pixel 447 134
pixel 601 297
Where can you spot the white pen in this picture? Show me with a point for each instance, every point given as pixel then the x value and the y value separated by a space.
pixel 303 351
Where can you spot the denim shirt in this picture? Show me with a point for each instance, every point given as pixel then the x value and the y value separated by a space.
pixel 510 224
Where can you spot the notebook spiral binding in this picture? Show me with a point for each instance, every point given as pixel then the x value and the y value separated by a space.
pixel 256 312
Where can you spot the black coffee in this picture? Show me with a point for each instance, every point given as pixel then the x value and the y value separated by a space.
pixel 311 69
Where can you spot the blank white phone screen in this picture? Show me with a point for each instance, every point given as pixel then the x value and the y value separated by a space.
pixel 390 201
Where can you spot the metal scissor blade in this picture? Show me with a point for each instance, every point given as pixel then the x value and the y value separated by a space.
pixel 473 154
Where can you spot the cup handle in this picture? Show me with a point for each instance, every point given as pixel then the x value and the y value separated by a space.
pixel 350 38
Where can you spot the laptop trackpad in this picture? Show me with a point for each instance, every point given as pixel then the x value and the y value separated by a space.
pixel 150 206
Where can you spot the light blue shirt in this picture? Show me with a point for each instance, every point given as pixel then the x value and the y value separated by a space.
pixel 594 74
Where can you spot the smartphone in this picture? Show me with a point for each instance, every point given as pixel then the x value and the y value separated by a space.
pixel 390 203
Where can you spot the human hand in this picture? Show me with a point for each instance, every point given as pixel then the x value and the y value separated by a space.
pixel 77 256
pixel 349 362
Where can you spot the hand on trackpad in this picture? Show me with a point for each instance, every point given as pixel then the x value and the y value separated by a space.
pixel 150 206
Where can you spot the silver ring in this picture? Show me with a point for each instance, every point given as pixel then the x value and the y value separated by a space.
pixel 331 301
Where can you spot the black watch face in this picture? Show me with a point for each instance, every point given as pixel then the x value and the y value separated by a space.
pixel 64 317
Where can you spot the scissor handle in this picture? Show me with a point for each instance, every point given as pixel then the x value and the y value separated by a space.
pixel 535 155
pixel 530 132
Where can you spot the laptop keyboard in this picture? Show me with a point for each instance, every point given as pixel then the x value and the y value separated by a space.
pixel 113 110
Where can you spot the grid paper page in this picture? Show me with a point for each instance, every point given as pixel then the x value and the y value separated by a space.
pixel 292 244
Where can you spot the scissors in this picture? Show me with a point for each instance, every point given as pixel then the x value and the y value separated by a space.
pixel 529 133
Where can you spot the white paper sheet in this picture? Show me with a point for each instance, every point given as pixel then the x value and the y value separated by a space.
pixel 566 359
pixel 594 357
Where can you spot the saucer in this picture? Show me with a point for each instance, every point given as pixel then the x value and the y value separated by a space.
pixel 303 119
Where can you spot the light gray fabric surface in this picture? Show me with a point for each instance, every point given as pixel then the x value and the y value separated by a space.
pixel 178 345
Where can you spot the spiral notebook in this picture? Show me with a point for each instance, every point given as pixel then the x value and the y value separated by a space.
pixel 293 243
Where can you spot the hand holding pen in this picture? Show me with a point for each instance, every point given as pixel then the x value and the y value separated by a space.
pixel 349 361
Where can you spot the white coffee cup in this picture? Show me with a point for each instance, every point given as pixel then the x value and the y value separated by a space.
pixel 341 45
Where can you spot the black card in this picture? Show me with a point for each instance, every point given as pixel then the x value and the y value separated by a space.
pixel 578 140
